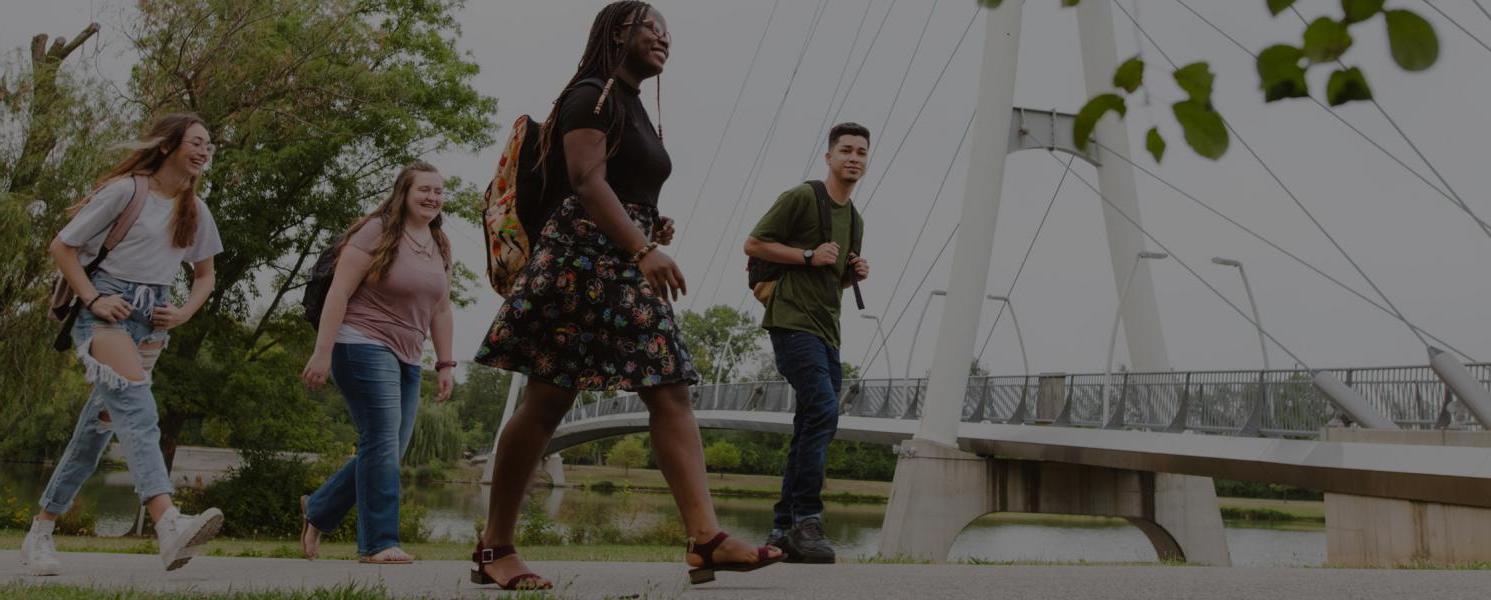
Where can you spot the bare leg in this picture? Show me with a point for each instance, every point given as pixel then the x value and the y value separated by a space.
pixel 519 449
pixel 680 456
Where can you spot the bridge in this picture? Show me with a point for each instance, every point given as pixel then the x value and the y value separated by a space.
pixel 1040 443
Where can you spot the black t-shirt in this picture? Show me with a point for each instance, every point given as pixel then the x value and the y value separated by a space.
pixel 640 166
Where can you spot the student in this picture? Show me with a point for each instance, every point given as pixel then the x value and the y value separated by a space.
pixel 123 326
pixel 391 287
pixel 591 310
pixel 802 317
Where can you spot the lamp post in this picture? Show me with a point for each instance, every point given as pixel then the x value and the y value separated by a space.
pixel 889 374
pixel 1113 333
pixel 917 332
pixel 1024 361
pixel 1257 321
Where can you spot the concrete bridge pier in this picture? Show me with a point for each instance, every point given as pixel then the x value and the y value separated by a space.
pixel 938 490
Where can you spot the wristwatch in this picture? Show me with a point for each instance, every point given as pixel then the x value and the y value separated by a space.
pixel 807 257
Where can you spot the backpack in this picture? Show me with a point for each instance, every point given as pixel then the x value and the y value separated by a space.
pixel 516 203
pixel 319 283
pixel 761 275
pixel 63 303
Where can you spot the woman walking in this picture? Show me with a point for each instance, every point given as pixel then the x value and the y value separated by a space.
pixel 591 310
pixel 125 321
pixel 391 287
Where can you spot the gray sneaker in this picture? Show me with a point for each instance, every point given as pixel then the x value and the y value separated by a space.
pixel 181 536
pixel 805 543
pixel 38 553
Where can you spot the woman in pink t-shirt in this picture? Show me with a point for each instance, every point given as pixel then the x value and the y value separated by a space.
pixel 391 288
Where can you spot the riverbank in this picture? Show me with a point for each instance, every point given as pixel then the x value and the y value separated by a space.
pixel 1306 514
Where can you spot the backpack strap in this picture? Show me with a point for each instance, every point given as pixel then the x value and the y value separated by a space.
pixel 825 217
pixel 125 220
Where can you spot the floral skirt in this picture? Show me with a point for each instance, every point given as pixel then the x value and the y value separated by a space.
pixel 582 317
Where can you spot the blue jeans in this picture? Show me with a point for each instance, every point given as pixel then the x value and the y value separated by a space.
pixel 383 396
pixel 813 368
pixel 129 405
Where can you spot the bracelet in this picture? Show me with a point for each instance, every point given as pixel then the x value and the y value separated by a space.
pixel 445 364
pixel 89 305
pixel 643 252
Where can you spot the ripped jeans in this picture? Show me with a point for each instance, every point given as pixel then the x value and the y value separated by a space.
pixel 117 405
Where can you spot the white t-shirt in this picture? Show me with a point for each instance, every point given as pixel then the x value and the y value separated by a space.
pixel 146 254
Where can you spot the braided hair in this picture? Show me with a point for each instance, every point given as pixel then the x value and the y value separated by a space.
pixel 602 60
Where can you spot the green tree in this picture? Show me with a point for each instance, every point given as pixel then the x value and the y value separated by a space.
pixel 722 456
pixel 479 401
pixel 314 104
pixel 627 453
pixel 56 127
pixel 1281 68
pixel 720 340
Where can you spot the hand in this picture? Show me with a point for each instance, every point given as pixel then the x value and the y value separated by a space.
pixel 663 274
pixel 860 266
pixel 111 308
pixel 826 254
pixel 663 235
pixel 316 371
pixel 168 317
pixel 445 381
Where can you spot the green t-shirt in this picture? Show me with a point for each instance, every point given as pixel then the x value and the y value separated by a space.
pixel 807 298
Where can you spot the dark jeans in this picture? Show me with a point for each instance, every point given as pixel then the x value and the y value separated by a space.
pixel 383 397
pixel 813 369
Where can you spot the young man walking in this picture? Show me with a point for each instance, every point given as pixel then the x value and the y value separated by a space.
pixel 813 260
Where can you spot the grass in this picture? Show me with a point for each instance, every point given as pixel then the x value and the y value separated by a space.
pixel 762 486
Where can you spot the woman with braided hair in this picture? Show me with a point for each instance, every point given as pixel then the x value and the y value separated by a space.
pixel 591 310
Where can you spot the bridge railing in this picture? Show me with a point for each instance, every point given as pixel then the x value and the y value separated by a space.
pixel 1249 403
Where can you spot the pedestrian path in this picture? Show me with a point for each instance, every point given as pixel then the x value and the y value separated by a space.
pixel 448 579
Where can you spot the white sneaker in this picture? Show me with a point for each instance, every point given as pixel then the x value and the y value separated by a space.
pixel 182 536
pixel 38 553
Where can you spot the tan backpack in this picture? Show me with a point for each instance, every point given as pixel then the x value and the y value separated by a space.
pixel 65 304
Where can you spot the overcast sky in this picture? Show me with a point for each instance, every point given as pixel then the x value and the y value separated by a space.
pixel 1427 256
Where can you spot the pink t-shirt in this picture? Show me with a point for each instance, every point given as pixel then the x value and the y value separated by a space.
pixel 399 308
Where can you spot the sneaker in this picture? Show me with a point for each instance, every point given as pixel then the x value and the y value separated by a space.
pixel 805 543
pixel 181 536
pixel 38 553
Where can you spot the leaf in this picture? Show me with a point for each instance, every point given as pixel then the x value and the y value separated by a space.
pixel 1325 40
pixel 1154 143
pixel 1130 75
pixel 990 3
pixel 1088 117
pixel 1347 85
pixel 1279 73
pixel 1196 79
pixel 1070 3
pixel 1278 6
pixel 1415 46
pixel 1360 10
pixel 1205 131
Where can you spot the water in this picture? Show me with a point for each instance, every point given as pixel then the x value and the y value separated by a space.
pixel 453 510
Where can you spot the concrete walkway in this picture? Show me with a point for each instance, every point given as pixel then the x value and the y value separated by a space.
pixel 448 579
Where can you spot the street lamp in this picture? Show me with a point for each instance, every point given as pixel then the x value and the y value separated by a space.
pixel 1024 362
pixel 917 333
pixel 889 374
pixel 1257 321
pixel 1113 333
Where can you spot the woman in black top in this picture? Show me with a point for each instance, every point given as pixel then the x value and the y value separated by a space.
pixel 591 310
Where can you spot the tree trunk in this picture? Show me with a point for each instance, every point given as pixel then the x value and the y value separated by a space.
pixel 170 431
pixel 40 134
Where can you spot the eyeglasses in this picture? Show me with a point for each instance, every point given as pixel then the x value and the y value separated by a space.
pixel 651 25
pixel 210 147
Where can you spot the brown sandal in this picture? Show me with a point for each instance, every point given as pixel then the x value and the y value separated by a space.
pixel 705 552
pixel 486 556
pixel 307 527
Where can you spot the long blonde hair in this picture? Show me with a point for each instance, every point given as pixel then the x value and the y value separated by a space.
pixel 394 210
pixel 146 157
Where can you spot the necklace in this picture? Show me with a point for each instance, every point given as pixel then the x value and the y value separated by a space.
pixel 422 249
